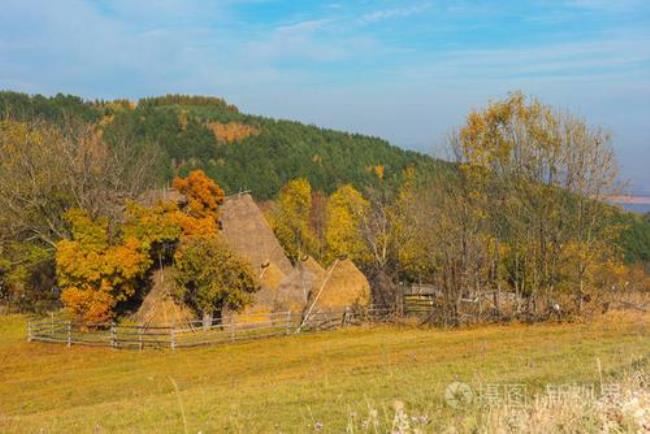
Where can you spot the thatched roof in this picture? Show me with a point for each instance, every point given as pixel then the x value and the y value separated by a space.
pixel 158 307
pixel 295 289
pixel 334 289
pixel 249 234
pixel 271 276
pixel 346 286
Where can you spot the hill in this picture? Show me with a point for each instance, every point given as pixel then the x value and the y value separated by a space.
pixel 239 151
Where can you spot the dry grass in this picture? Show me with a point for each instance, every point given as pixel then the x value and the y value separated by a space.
pixel 300 383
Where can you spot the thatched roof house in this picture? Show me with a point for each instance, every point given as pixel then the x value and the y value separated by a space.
pixel 153 197
pixel 249 234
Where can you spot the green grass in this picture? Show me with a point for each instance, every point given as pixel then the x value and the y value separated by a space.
pixel 289 384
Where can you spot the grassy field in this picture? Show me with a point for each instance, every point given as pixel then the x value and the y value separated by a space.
pixel 326 382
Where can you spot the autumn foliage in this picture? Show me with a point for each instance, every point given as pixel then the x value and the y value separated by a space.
pixel 345 210
pixel 203 195
pixel 95 271
pixel 101 265
pixel 291 219
pixel 232 131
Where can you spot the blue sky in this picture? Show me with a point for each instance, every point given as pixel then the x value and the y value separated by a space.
pixel 407 71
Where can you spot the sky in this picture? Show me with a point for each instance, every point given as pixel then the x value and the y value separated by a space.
pixel 407 71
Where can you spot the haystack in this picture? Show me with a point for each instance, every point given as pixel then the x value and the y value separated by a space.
pixel 295 289
pixel 158 307
pixel 271 276
pixel 265 299
pixel 248 233
pixel 345 286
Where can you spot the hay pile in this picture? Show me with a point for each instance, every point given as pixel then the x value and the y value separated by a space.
pixel 340 286
pixel 346 286
pixel 271 276
pixel 295 289
pixel 158 307
pixel 266 298
pixel 248 233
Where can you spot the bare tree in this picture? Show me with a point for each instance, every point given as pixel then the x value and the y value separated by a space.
pixel 44 171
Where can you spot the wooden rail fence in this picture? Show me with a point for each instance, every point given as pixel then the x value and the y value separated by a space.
pixel 62 330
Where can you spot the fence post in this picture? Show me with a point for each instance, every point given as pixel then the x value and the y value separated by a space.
pixel 288 322
pixel 69 327
pixel 400 302
pixel 172 338
pixel 113 335
pixel 140 337
pixel 232 328
pixel 29 330
pixel 344 320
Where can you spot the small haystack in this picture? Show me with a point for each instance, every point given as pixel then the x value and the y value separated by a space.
pixel 346 286
pixel 158 307
pixel 248 233
pixel 295 289
pixel 271 276
pixel 266 298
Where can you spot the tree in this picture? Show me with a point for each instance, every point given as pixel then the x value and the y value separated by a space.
pixel 203 195
pixel 96 272
pixel 536 177
pixel 345 210
pixel 100 266
pixel 46 171
pixel 290 220
pixel 211 277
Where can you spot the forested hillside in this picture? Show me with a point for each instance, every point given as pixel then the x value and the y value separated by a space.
pixel 239 151
pixel 498 219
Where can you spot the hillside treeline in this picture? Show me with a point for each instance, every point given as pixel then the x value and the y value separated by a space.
pixel 241 152
pixel 515 215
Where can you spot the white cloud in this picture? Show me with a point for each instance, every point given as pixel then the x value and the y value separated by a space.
pixel 400 12
pixel 608 5
pixel 308 26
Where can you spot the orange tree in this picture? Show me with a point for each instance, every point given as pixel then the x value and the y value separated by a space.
pixel 203 195
pixel 97 270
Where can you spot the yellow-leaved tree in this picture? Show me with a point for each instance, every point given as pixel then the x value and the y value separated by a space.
pixel 290 220
pixel 345 210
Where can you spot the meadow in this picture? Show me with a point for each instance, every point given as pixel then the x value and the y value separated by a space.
pixel 350 379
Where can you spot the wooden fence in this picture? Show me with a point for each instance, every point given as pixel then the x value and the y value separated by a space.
pixel 418 304
pixel 58 329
